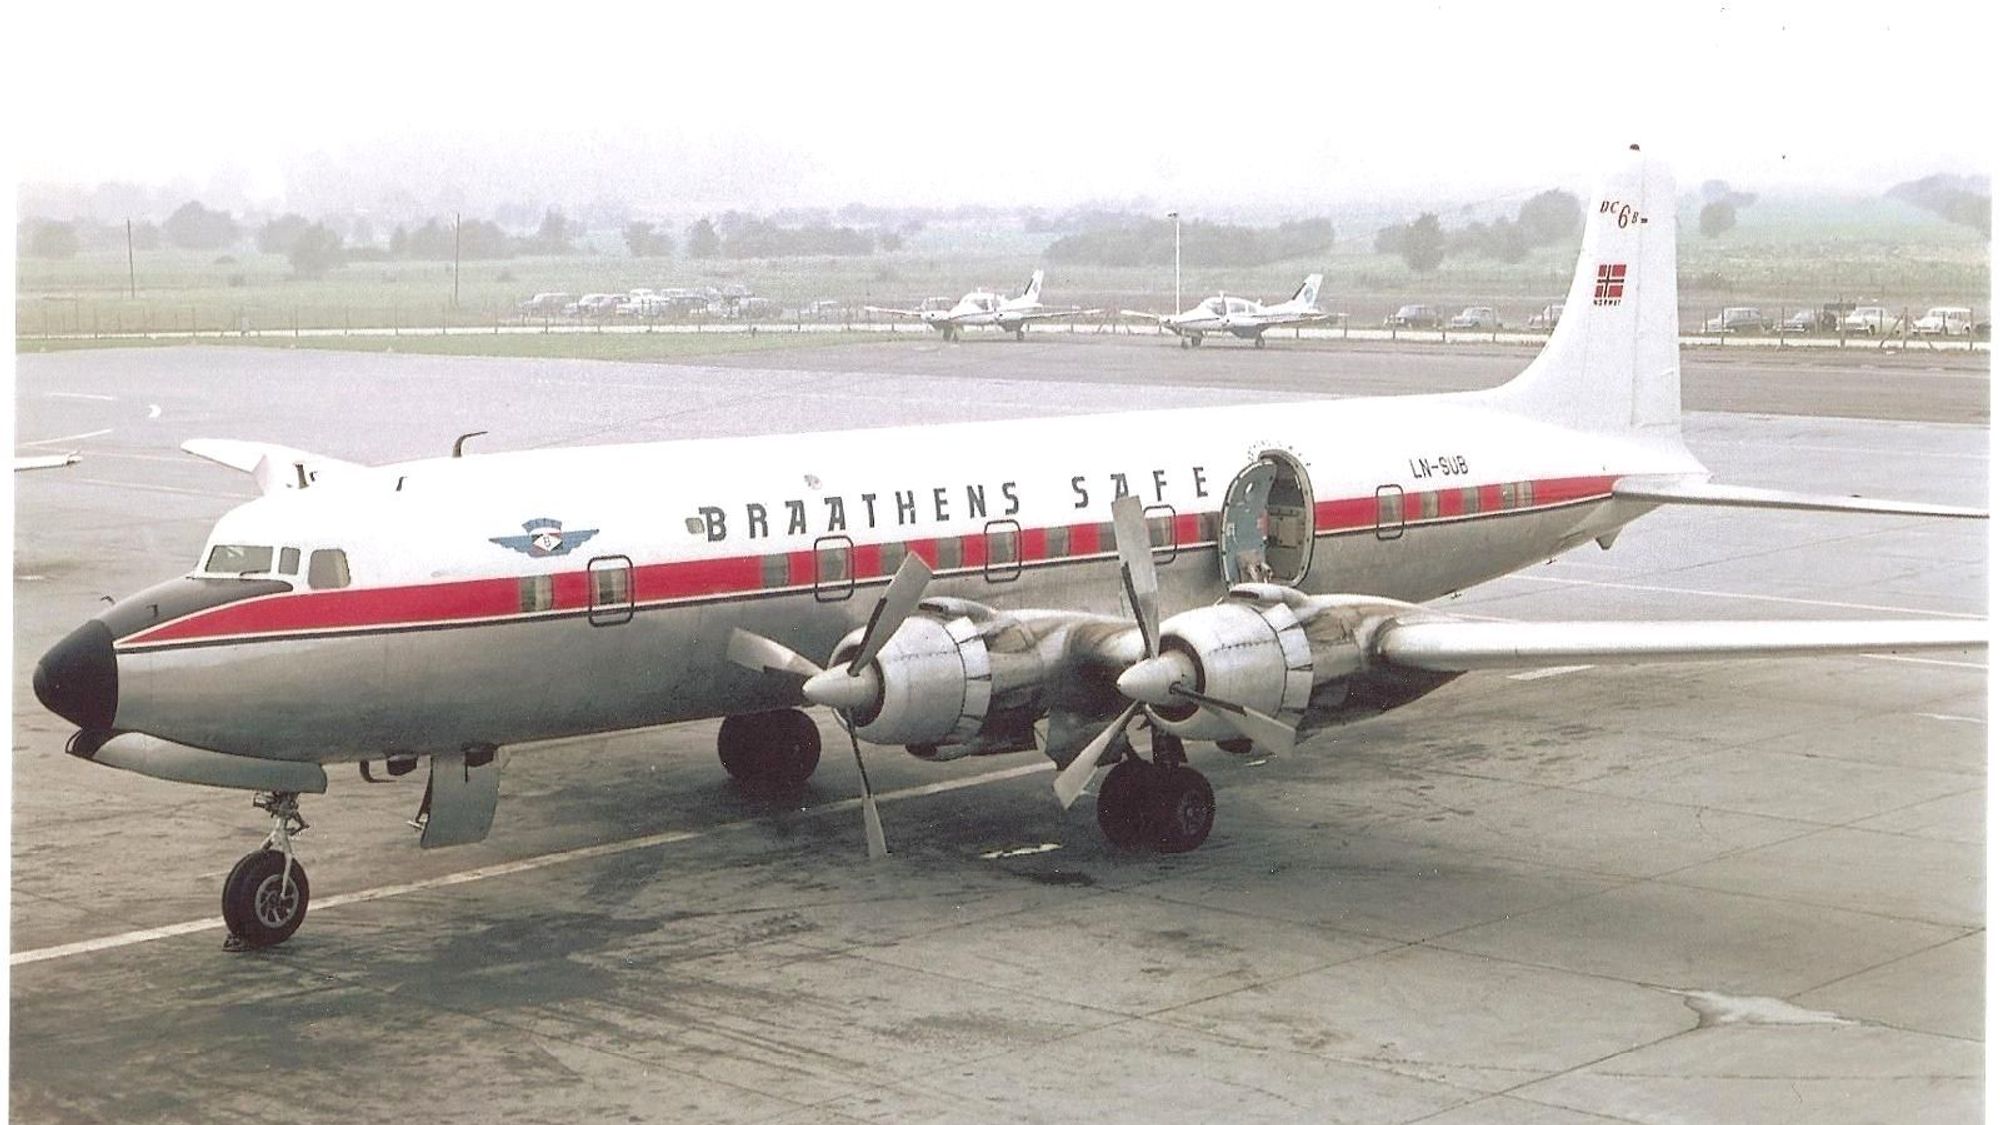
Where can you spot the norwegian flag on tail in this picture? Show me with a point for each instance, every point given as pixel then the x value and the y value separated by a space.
pixel 1610 284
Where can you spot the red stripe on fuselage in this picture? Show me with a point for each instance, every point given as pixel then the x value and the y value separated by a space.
pixel 483 599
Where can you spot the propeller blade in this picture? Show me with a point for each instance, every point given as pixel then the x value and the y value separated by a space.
pixel 871 817
pixel 1071 781
pixel 904 592
pixel 762 654
pixel 1266 733
pixel 1135 556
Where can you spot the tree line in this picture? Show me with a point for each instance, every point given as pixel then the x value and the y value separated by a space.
pixel 1424 244
pixel 1125 240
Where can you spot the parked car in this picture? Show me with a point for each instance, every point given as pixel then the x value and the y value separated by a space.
pixel 1801 322
pixel 1414 316
pixel 1871 320
pixel 546 304
pixel 1477 316
pixel 1742 319
pixel 1547 318
pixel 1945 320
pixel 598 304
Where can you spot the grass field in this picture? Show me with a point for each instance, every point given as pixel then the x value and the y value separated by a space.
pixel 1783 254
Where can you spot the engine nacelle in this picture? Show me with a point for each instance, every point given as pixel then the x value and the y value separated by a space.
pixel 956 679
pixel 1255 654
pixel 934 682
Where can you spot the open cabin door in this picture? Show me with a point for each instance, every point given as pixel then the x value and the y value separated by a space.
pixel 1267 523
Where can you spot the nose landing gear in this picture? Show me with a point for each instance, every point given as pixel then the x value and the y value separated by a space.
pixel 265 897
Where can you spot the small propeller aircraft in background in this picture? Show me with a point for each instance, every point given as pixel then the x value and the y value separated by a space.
pixel 981 309
pixel 1103 590
pixel 1241 316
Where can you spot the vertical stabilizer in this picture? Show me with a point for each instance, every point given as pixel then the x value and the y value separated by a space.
pixel 1308 293
pixel 1613 362
pixel 1033 293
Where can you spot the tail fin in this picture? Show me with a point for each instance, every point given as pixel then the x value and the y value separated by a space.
pixel 1034 290
pixel 1613 362
pixel 1308 294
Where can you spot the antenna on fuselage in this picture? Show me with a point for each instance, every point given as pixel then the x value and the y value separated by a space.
pixel 458 447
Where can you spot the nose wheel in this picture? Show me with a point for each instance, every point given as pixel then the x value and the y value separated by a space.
pixel 265 897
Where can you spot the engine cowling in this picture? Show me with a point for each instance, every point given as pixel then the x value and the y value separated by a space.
pixel 1254 654
pixel 956 679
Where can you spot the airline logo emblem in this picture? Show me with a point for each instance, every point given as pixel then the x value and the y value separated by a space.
pixel 545 538
pixel 1610 284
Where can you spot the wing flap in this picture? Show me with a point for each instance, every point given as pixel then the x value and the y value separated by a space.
pixel 1736 496
pixel 1466 646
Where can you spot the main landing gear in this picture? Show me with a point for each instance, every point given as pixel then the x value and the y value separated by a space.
pixel 264 899
pixel 772 750
pixel 1164 804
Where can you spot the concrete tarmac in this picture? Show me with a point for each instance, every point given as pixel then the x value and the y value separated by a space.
pixel 1739 891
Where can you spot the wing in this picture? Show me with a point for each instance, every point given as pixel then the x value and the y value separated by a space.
pixel 1465 646
pixel 50 461
pixel 1671 491
pixel 914 313
pixel 1050 314
pixel 274 467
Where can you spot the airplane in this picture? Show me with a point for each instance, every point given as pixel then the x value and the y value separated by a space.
pixel 1079 586
pixel 1241 316
pixel 980 308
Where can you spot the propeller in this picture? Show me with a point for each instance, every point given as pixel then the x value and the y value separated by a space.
pixel 848 687
pixel 1162 678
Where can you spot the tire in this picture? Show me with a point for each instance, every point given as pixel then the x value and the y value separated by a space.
pixel 1237 745
pixel 1182 809
pixel 254 904
pixel 771 749
pixel 1123 803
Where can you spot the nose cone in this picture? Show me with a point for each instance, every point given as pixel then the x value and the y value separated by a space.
pixel 836 689
pixel 78 678
pixel 1153 681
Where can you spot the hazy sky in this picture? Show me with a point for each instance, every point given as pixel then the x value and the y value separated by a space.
pixel 759 105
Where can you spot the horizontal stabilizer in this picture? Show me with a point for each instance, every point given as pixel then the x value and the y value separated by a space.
pixel 275 467
pixel 1465 646
pixel 1734 496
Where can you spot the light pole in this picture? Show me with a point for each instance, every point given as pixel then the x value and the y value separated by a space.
pixel 1176 217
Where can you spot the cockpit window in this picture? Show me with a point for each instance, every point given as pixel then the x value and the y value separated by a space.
pixel 327 570
pixel 229 558
pixel 288 560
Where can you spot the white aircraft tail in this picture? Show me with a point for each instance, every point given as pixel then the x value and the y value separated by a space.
pixel 1307 294
pixel 1033 293
pixel 1613 362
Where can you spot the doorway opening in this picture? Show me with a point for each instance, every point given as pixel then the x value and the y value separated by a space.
pixel 1267 523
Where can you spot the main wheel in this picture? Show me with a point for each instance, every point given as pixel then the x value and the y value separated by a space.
pixel 1021 333
pixel 258 905
pixel 1237 745
pixel 774 749
pixel 1260 341
pixel 1181 807
pixel 1184 341
pixel 1122 804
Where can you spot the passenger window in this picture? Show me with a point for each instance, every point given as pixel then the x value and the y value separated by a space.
pixel 1162 533
pixel 1429 505
pixel 327 570
pixel 538 593
pixel 288 560
pixel 1469 501
pixel 1527 493
pixel 1003 551
pixel 233 559
pixel 1507 496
